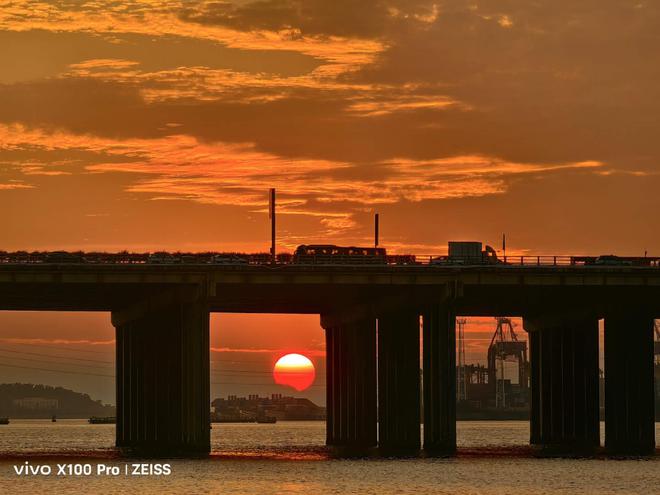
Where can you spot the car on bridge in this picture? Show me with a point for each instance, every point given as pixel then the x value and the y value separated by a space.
pixel 228 259
pixel 63 257
pixel 613 260
pixel 163 258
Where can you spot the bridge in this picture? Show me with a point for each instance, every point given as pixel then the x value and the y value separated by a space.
pixel 161 315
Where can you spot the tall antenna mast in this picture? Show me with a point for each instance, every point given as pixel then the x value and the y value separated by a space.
pixel 271 215
pixel 504 246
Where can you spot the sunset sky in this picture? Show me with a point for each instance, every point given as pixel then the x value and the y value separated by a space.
pixel 148 125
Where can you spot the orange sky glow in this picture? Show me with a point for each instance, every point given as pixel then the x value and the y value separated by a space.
pixel 160 124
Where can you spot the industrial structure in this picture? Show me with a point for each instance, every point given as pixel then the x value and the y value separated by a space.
pixel 462 377
pixel 252 407
pixel 160 311
pixel 480 389
pixel 505 346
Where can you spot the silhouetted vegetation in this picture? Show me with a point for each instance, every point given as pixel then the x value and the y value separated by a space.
pixel 40 403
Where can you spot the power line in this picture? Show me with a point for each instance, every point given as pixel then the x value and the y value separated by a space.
pixel 112 362
pixel 54 371
pixel 83 372
pixel 87 373
pixel 55 356
pixel 111 351
pixel 213 371
pixel 216 371
pixel 51 362
pixel 112 376
pixel 58 347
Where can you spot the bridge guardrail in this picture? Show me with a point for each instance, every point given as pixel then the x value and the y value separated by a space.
pixel 283 259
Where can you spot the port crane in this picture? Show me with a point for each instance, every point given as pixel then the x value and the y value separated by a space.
pixel 505 346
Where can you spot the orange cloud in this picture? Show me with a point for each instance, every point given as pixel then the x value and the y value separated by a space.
pixel 15 185
pixel 179 167
pixel 237 174
pixel 160 18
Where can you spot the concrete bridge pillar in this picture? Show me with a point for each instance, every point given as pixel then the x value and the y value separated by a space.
pixel 564 412
pixel 629 389
pixel 351 384
pixel 439 344
pixel 163 403
pixel 398 382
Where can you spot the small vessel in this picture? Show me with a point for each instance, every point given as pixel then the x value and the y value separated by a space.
pixel 4 421
pixel 233 420
pixel 109 420
pixel 266 419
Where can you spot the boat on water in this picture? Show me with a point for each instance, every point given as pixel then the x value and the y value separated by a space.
pixel 4 421
pixel 95 420
pixel 233 420
pixel 242 419
pixel 266 419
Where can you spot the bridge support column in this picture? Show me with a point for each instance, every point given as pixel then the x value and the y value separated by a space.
pixel 163 397
pixel 439 344
pixel 351 385
pixel 398 382
pixel 564 384
pixel 629 389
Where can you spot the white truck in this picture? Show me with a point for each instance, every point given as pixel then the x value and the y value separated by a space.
pixel 467 253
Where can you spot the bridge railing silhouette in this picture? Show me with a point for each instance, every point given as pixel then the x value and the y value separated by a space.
pixel 284 259
pixel 545 260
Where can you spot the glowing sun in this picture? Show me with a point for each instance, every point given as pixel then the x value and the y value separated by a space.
pixel 294 370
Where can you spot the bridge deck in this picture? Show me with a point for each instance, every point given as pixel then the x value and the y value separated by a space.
pixel 318 288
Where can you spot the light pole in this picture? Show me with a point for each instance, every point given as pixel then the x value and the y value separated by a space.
pixel 271 215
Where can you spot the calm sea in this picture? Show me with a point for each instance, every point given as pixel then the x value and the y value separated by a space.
pixel 289 457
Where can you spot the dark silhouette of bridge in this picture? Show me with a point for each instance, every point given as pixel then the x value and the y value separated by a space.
pixel 161 315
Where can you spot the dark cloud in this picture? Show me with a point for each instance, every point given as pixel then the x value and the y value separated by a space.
pixel 550 80
pixel 362 19
pixel 320 124
pixel 539 82
pixel 34 54
pixel 308 123
pixel 82 106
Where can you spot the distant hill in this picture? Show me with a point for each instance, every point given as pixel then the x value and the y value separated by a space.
pixel 26 400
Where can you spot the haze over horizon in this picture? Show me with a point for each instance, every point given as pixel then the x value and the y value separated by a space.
pixel 77 351
pixel 157 124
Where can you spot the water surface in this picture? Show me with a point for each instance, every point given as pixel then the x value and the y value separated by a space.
pixel 289 457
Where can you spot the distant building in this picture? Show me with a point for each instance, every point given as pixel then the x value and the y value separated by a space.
pixel 36 404
pixel 235 408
